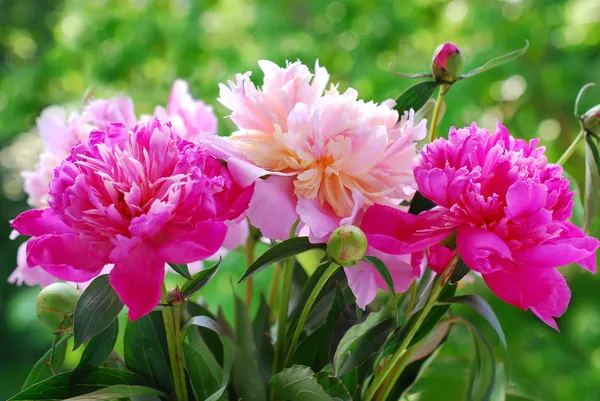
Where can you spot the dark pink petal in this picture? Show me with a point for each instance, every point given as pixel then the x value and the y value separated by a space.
pixel 482 250
pixel 64 256
pixel 544 291
pixel 137 279
pixel 37 222
pixel 525 198
pixel 399 233
pixel 438 257
pixel 572 246
pixel 196 245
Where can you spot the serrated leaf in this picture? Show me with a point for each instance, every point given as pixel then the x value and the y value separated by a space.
pixel 298 383
pixel 72 384
pixel 481 306
pixel 420 204
pixel 181 269
pixel 119 391
pixel 146 351
pixel 281 251
pixel 383 270
pixel 100 347
pixel 247 381
pixel 228 358
pixel 200 280
pixel 49 364
pixel 362 341
pixel 96 309
pixel 415 97
pixel 497 61
pixel 592 183
pixel 580 94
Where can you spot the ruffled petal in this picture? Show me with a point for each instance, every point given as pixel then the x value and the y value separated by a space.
pixel 482 250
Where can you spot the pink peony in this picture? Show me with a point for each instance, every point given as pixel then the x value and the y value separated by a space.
pixel 188 116
pixel 508 208
pixel 137 200
pixel 31 276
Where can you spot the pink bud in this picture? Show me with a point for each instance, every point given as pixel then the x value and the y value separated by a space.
pixel 447 63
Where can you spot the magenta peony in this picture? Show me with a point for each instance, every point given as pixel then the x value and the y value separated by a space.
pixel 508 208
pixel 137 200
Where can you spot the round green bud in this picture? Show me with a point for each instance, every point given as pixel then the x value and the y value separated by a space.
pixel 447 63
pixel 347 245
pixel 591 120
pixel 55 306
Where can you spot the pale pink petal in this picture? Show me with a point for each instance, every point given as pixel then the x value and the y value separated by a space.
pixel 237 234
pixel 29 275
pixel 361 280
pixel 273 207
pixel 482 250
pixel 320 220
pixel 402 271
pixel 138 279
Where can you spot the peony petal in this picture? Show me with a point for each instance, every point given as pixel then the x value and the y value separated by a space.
pixel 37 222
pixel 273 207
pixel 197 245
pixel 64 256
pixel 361 280
pixel 525 198
pixel 137 279
pixel 399 233
pixel 321 220
pixel 401 269
pixel 482 250
pixel 438 257
pixel 29 275
pixel 237 234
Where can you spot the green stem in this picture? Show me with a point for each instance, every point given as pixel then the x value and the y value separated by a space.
pixel 175 355
pixel 283 301
pixel 250 244
pixel 307 307
pixel 397 359
pixel 412 297
pixel 571 149
pixel 436 112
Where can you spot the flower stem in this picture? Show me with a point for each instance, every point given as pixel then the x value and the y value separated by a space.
pixel 571 149
pixel 284 300
pixel 173 331
pixel 307 307
pixel 436 112
pixel 412 298
pixel 250 244
pixel 397 363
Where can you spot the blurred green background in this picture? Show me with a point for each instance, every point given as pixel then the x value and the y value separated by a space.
pixel 51 51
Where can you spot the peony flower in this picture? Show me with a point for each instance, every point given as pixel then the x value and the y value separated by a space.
pixel 31 276
pixel 136 200
pixel 508 208
pixel 188 116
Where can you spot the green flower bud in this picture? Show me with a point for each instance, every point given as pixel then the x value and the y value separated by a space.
pixel 347 245
pixel 55 306
pixel 175 297
pixel 591 120
pixel 447 63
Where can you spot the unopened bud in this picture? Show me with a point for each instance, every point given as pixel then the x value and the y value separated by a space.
pixel 347 245
pixel 447 63
pixel 175 297
pixel 55 306
pixel 591 120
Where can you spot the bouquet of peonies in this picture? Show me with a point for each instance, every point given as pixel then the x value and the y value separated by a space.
pixel 396 217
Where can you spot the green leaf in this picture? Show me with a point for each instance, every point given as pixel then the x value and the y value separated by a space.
pixel 497 61
pixel 592 183
pixel 49 364
pixel 281 251
pixel 146 352
pixel 96 309
pixel 420 204
pixel 333 386
pixel 200 369
pixel 415 97
pixel 119 391
pixel 362 341
pixel 459 272
pixel 298 383
pixel 182 270
pixel 100 347
pixel 481 306
pixel 209 337
pixel 383 270
pixel 580 96
pixel 577 216
pixel 417 75
pixel 72 384
pixel 262 338
pixel 200 279
pixel 247 381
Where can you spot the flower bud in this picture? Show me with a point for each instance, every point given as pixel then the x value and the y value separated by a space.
pixel 55 306
pixel 175 297
pixel 591 120
pixel 447 63
pixel 347 245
